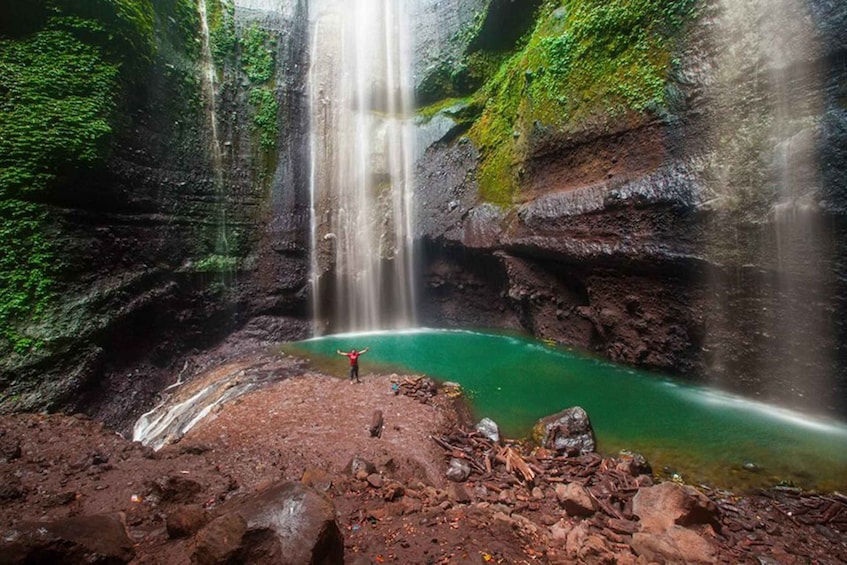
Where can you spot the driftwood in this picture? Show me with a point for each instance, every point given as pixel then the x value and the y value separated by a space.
pixel 377 424
pixel 515 463
pixel 420 388
pixel 740 537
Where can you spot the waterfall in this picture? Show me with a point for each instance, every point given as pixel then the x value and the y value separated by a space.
pixel 770 103
pixel 208 85
pixel 362 132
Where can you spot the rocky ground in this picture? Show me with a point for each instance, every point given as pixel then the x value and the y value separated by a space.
pixel 78 492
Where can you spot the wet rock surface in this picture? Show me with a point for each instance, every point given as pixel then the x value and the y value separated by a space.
pixel 682 242
pixel 391 497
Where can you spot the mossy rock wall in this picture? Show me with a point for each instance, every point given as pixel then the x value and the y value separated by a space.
pixel 124 247
pixel 659 182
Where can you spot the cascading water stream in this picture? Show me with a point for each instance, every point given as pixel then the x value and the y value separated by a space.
pixel 769 123
pixel 361 157
pixel 208 84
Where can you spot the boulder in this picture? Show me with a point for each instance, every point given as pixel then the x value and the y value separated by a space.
pixel 575 499
pixel 221 540
pixel 458 470
pixel 100 539
pixel 185 521
pixel 674 545
pixel 667 504
pixel 488 428
pixel 286 523
pixel 567 432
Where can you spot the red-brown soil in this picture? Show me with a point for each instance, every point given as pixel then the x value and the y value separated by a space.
pixel 311 426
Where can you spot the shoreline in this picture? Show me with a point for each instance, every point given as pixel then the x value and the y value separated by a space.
pixel 310 428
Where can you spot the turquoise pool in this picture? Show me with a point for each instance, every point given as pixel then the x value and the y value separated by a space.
pixel 704 435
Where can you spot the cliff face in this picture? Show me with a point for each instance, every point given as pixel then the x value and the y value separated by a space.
pixel 156 244
pixel 664 184
pixel 695 228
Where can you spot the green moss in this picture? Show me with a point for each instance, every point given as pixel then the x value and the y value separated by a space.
pixel 180 22
pixel 216 264
pixel 586 64
pixel 27 270
pixel 461 109
pixel 222 36
pixel 59 87
pixel 265 121
pixel 257 55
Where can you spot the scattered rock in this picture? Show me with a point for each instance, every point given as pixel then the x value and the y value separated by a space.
pixel 74 541
pixel 458 493
pixel 634 464
pixel 458 470
pixel 175 488
pixel 377 423
pixel 358 464
pixel 575 499
pixel 317 479
pixel 11 488
pixel 488 428
pixel 10 448
pixel 185 521
pixel 567 432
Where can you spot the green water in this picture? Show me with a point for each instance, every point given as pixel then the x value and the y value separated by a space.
pixel 704 435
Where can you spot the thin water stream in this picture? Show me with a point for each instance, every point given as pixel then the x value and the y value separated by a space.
pixel 702 434
pixel 209 90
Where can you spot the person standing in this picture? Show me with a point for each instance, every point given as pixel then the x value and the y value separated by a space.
pixel 353 356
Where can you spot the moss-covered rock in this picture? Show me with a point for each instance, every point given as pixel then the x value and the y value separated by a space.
pixel 586 66
pixel 63 75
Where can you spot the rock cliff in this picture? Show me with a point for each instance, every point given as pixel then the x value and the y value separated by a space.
pixel 160 244
pixel 662 183
pixel 697 230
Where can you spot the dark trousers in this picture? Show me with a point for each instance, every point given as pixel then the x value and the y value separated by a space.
pixel 354 372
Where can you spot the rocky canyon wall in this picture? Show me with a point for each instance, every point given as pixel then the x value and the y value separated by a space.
pixel 153 244
pixel 682 211
pixel 662 183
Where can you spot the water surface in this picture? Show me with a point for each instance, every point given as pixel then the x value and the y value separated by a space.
pixel 704 435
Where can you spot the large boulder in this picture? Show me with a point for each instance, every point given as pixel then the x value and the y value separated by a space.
pixel 669 514
pixel 287 523
pixel 668 504
pixel 82 540
pixel 674 545
pixel 567 432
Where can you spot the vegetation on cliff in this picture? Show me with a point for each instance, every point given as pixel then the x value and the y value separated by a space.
pixel 585 65
pixel 65 66
pixel 259 64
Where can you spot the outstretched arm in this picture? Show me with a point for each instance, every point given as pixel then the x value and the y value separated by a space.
pixel 340 352
pixel 365 350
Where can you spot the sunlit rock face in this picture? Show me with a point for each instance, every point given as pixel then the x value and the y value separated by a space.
pixel 708 242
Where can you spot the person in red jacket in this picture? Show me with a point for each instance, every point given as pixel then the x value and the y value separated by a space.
pixel 353 356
